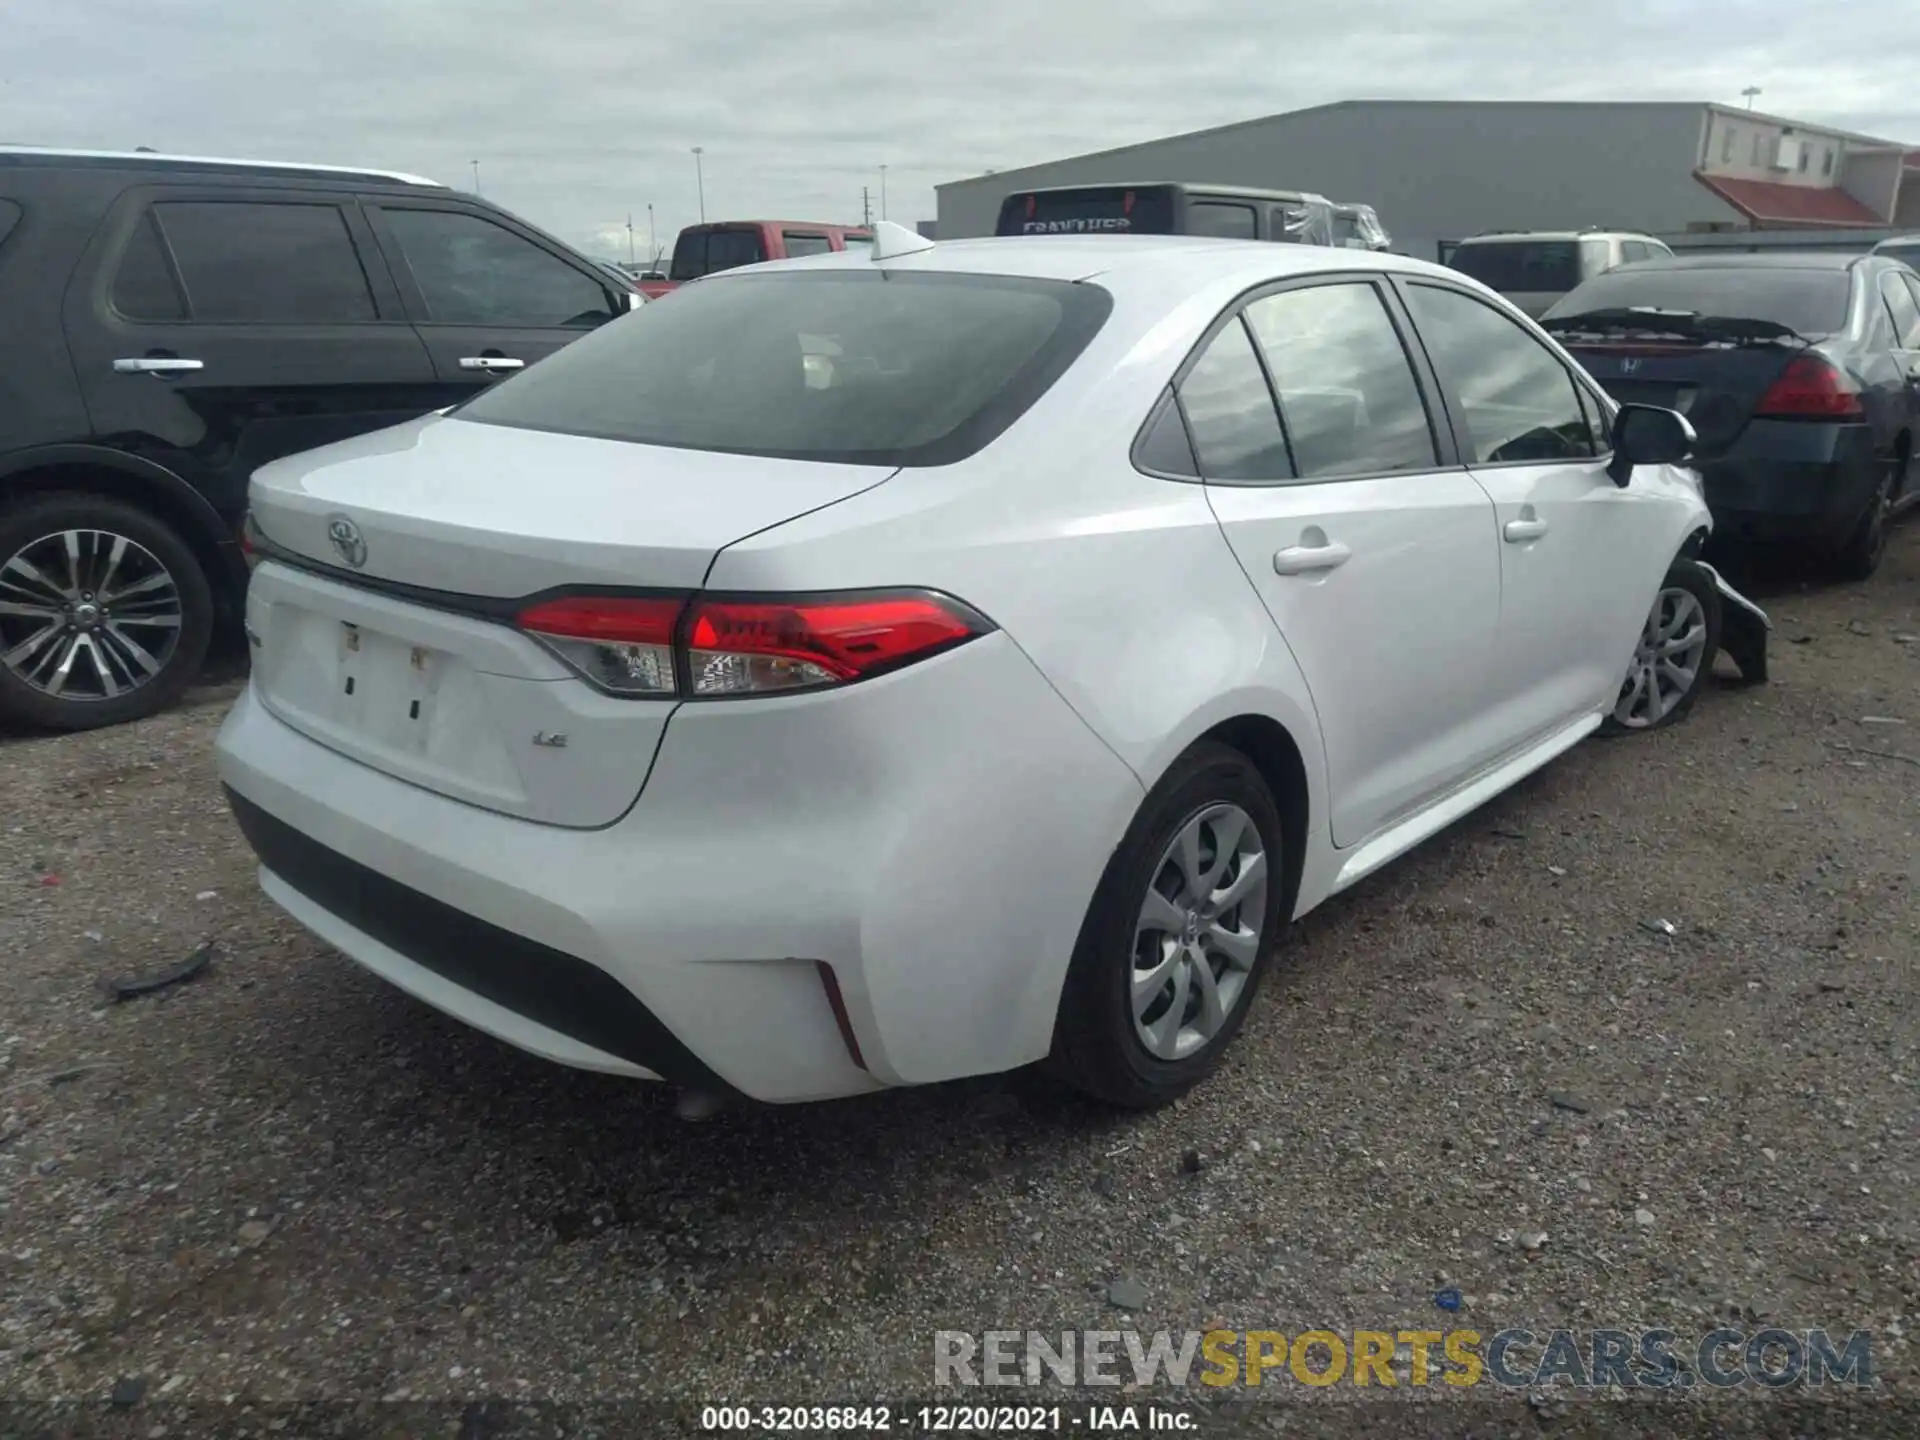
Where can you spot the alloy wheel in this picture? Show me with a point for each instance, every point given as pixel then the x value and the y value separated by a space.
pixel 1666 663
pixel 1199 932
pixel 87 615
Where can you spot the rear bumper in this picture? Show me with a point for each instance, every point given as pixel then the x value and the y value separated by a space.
pixel 933 836
pixel 1792 480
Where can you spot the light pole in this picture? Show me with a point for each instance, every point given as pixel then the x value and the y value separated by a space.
pixel 476 177
pixel 883 192
pixel 629 238
pixel 653 248
pixel 1750 92
pixel 700 181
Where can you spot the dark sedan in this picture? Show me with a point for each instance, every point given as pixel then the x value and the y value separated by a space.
pixel 1800 373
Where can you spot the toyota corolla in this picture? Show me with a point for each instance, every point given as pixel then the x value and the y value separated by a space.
pixel 868 671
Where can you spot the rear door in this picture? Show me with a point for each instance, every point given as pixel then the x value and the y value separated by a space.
pixel 1373 552
pixel 1901 294
pixel 215 329
pixel 488 295
pixel 1579 556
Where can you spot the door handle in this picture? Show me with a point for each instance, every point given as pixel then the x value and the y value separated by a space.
pixel 1520 531
pixel 161 365
pixel 1310 559
pixel 491 363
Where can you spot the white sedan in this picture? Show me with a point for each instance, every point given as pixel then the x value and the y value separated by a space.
pixel 863 672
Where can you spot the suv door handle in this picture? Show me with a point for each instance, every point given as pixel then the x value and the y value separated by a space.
pixel 160 365
pixel 1310 559
pixel 1520 531
pixel 491 363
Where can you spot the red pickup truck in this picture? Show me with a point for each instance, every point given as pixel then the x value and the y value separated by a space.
pixel 724 244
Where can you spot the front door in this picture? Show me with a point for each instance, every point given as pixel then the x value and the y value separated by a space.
pixel 1376 561
pixel 1579 556
pixel 216 329
pixel 489 297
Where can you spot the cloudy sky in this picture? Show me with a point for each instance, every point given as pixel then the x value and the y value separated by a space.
pixel 583 111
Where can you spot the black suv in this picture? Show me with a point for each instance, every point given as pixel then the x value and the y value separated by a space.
pixel 174 323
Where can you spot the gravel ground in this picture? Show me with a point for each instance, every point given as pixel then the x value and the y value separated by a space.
pixel 285 1181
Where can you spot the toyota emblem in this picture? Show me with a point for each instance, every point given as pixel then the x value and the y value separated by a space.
pixel 347 540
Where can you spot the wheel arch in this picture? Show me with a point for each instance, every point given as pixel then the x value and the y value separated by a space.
pixel 1276 755
pixel 99 470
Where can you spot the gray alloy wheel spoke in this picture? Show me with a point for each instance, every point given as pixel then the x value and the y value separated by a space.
pixel 1147 988
pixel 1213 1011
pixel 87 615
pixel 24 568
pixel 1159 914
pixel 1253 873
pixel 1240 948
pixel 1666 665
pixel 1198 932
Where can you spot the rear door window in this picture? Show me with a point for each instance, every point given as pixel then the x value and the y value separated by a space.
pixel 256 263
pixel 804 242
pixel 1236 431
pixel 1220 218
pixel 1906 315
pixel 144 287
pixel 9 217
pixel 470 271
pixel 1520 266
pixel 850 365
pixel 1518 403
pixel 1632 250
pixel 1347 394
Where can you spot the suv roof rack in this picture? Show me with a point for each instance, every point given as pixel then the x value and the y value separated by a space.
pixel 151 157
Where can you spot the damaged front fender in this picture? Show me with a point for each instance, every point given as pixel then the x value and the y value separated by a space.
pixel 1744 628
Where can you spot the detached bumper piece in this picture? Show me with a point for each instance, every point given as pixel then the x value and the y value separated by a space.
pixel 1744 628
pixel 561 991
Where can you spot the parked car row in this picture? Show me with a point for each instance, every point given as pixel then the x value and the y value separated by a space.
pixel 173 324
pixel 1094 611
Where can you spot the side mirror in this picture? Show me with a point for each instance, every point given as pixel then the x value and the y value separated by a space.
pixel 1648 435
pixel 635 299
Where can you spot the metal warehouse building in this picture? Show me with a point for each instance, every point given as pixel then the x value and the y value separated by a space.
pixel 1440 170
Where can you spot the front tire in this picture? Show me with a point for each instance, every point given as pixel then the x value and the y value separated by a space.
pixel 105 613
pixel 1673 658
pixel 1178 937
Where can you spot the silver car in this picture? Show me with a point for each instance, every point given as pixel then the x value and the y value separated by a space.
pixel 1534 268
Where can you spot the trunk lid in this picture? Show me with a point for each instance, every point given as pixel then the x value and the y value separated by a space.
pixel 1716 387
pixel 407 661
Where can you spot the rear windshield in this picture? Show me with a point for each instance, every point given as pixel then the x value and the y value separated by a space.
pixel 703 252
pixel 1093 211
pixel 1812 302
pixel 1516 267
pixel 855 366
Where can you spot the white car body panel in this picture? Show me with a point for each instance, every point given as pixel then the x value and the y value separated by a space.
pixel 933 835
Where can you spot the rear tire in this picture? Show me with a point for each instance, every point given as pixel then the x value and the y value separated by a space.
pixel 1196 885
pixel 1673 657
pixel 108 612
pixel 1866 547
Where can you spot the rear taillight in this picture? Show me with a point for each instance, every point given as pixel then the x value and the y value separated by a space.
pixel 1811 388
pixel 705 647
pixel 621 643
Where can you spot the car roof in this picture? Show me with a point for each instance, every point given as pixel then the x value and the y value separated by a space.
pixel 1499 237
pixel 1082 257
pixel 1242 192
pixel 37 156
pixel 1749 260
pixel 776 224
